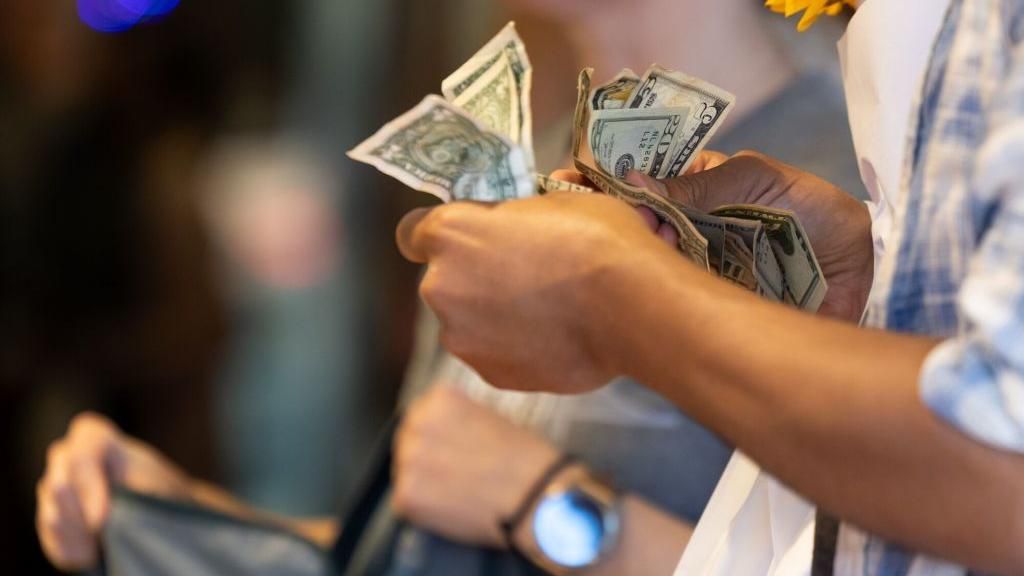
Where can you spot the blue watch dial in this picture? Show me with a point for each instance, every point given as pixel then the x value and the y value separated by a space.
pixel 569 529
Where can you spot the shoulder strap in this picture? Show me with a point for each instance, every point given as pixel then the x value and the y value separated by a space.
pixel 367 499
pixel 826 535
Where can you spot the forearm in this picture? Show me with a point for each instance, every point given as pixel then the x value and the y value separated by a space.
pixel 322 531
pixel 831 409
pixel 651 542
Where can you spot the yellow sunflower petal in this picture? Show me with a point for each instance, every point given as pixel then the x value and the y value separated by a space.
pixel 807 20
pixel 812 9
pixel 811 14
pixel 794 6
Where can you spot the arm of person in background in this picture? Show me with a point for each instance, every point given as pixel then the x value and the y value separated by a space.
pixel 458 480
pixel 73 497
pixel 566 291
pixel 461 469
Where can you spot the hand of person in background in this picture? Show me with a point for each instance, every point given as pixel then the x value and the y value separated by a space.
pixel 73 496
pixel 460 468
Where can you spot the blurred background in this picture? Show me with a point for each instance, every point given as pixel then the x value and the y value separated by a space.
pixel 184 246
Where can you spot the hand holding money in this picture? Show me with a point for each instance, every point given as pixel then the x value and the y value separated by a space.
pixel 751 185
pixel 476 144
pixel 521 287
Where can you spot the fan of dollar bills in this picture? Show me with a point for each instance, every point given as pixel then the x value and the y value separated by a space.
pixel 476 143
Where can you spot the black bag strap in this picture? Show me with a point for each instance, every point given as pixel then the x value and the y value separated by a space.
pixel 366 500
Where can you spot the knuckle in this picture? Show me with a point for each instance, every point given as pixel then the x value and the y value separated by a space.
pixel 411 452
pixel 417 415
pixel 52 452
pixel 91 426
pixel 435 293
pixel 408 465
pixel 51 525
pixel 753 160
pixel 411 419
pixel 412 455
pixel 58 486
pixel 55 453
pixel 752 155
pixel 443 218
pixel 453 343
pixel 430 289
pixel 85 421
pixel 402 449
pixel 77 461
pixel 403 497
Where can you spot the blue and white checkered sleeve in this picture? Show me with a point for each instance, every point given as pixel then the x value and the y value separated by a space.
pixel 976 380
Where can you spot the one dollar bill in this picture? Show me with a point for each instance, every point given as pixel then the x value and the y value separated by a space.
pixel 439 149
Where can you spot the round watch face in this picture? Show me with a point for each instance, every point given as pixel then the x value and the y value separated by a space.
pixel 569 529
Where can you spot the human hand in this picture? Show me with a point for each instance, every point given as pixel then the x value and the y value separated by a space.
pixel 839 227
pixel 522 288
pixel 460 468
pixel 73 496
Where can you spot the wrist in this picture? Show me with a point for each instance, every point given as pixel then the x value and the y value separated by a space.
pixel 531 464
pixel 635 302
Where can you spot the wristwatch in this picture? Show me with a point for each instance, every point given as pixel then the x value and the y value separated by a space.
pixel 574 524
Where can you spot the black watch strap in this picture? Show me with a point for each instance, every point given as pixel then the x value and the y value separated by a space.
pixel 509 525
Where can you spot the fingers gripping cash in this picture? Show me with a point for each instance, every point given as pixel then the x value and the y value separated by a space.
pixel 476 144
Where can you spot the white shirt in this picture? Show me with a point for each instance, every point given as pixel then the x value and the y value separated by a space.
pixel 754 525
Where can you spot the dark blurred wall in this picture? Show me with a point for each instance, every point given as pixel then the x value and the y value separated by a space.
pixel 106 296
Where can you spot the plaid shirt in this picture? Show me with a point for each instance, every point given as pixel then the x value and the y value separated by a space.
pixel 957 267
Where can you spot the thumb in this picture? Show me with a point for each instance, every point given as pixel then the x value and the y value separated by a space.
pixel 409 238
pixel 93 441
pixel 419 232
pixel 691 190
pixel 641 180
pixel 734 181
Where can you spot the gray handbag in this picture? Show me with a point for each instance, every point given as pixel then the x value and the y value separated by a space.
pixel 156 537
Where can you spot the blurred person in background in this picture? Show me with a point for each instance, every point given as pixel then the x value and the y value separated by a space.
pixel 285 394
pixel 105 300
pixel 109 296
pixel 453 475
pixel 312 365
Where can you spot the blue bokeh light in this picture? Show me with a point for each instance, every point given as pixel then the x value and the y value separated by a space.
pixel 121 15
